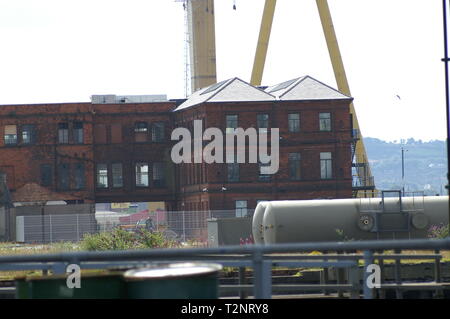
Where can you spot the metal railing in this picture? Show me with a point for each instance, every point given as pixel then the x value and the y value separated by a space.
pixel 261 259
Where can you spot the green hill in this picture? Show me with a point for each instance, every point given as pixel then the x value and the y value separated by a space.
pixel 425 164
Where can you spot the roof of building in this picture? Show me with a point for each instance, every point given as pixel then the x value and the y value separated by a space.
pixel 33 192
pixel 305 88
pixel 231 90
pixel 237 90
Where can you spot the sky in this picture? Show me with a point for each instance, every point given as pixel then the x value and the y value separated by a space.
pixel 65 51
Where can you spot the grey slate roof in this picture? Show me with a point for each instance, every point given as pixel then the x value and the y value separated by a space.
pixel 305 88
pixel 237 90
pixel 231 90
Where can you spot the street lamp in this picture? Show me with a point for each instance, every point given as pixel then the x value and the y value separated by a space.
pixel 447 94
pixel 403 169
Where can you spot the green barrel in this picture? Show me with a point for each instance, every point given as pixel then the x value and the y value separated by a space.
pixel 174 281
pixel 93 286
pixel 21 288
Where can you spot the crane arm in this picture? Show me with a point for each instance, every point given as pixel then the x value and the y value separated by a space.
pixel 263 42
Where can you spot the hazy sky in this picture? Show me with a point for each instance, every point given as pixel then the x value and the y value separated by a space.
pixel 65 51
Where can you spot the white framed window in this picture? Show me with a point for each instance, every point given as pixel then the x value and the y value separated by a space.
pixel 78 133
pixel 10 134
pixel 233 172
pixel 158 129
pixel 325 121
pixel 159 179
pixel 142 174
pixel 241 208
pixel 140 132
pixel 117 175
pixel 102 175
pixel 262 122
pixel 294 122
pixel 326 165
pixel 80 178
pixel 231 123
pixel 28 134
pixel 63 133
pixel 294 166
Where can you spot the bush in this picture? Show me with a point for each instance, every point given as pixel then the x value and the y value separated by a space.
pixel 119 239
pixel 439 231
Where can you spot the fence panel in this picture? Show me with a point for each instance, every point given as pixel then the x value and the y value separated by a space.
pixel 175 225
pixel 57 228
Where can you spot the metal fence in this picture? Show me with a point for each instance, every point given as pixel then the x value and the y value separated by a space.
pixel 262 259
pixel 175 225
pixel 54 228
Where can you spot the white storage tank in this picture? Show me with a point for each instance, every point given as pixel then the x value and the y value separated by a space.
pixel 257 223
pixel 348 219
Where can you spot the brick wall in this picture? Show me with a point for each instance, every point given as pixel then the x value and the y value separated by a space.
pixel 109 137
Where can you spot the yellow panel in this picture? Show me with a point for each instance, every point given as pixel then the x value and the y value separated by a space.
pixel 11 129
pixel 120 205
pixel 154 206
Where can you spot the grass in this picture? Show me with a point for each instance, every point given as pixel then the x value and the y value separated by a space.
pixel 11 249
pixel 445 256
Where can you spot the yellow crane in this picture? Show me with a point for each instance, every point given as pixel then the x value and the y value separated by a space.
pixel 203 68
pixel 361 163
pixel 364 174
pixel 263 42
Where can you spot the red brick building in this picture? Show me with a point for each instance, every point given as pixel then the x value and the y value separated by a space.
pixel 117 149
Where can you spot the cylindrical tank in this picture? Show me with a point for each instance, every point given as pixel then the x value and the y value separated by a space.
pixel 93 286
pixel 174 281
pixel 257 223
pixel 350 219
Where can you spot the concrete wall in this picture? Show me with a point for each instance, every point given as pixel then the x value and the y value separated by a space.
pixel 228 231
pixel 2 224
pixel 82 209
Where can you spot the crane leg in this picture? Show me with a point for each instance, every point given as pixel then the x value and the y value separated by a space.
pixel 362 163
pixel 263 42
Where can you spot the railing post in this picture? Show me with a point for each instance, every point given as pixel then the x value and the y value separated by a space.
pixel 382 292
pixel 368 260
pixel 398 275
pixel 242 281
pixel 184 228
pixel 51 228
pixel 340 278
pixel 353 279
pixel 262 276
pixel 78 229
pixel 437 267
pixel 437 273
pixel 324 276
pixel 157 220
